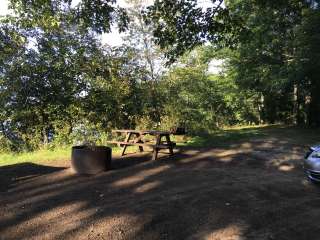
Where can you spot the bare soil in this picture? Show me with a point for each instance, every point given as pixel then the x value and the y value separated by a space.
pixel 251 189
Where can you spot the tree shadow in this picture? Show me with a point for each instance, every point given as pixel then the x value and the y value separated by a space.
pixel 129 160
pixel 10 175
pixel 236 192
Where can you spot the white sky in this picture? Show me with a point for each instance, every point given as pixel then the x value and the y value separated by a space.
pixel 3 7
pixel 115 39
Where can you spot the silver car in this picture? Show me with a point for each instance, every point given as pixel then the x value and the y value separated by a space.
pixel 311 164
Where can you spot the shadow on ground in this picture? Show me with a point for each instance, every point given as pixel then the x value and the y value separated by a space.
pixel 249 190
pixel 10 175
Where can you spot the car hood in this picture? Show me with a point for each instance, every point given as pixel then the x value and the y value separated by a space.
pixel 315 148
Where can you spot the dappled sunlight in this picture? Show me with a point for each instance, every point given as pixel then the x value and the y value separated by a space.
pixel 62 218
pixel 231 155
pixel 120 226
pixel 15 175
pixel 42 183
pixel 286 168
pixel 139 176
pixel 285 160
pixel 246 145
pixel 306 183
pixel 230 232
pixel 51 188
pixel 147 187
pixel 270 154
pixel 155 170
pixel 232 152
pixel 128 182
pixel 212 105
pixel 226 159
pixel 224 193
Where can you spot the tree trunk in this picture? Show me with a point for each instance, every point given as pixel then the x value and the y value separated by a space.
pixel 45 128
pixel 314 108
pixel 301 108
pixel 45 136
pixel 260 109
pixel 295 104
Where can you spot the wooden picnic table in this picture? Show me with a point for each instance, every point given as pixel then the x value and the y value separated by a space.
pixel 136 138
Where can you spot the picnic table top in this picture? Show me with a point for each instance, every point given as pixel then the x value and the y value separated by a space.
pixel 151 132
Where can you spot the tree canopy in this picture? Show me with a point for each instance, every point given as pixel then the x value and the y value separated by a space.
pixel 59 84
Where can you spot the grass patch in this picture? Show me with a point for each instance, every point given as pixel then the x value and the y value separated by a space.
pixel 221 138
pixel 39 156
pixel 43 156
pixel 227 136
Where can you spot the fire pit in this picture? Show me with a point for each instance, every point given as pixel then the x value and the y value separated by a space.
pixel 90 159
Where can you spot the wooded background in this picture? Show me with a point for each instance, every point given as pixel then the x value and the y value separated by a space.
pixel 59 84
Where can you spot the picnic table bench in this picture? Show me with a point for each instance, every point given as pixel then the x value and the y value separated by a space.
pixel 136 138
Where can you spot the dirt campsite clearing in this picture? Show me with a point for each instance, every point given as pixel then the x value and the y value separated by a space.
pixel 249 188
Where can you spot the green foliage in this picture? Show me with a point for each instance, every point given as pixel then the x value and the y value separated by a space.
pixel 269 58
pixel 203 102
pixel 227 137
pixel 306 67
pixel 220 137
pixel 59 86
pixel 183 25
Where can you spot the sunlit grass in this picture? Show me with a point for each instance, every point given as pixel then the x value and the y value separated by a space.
pixel 39 156
pixel 225 137
pixel 244 127
pixel 43 156
pixel 218 138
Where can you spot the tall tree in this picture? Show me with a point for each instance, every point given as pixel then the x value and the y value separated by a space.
pixel 307 62
pixel 139 37
pixel 182 25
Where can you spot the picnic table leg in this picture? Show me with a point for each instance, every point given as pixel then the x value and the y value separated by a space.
pixel 155 149
pixel 125 146
pixel 140 148
pixel 169 144
pixel 139 140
